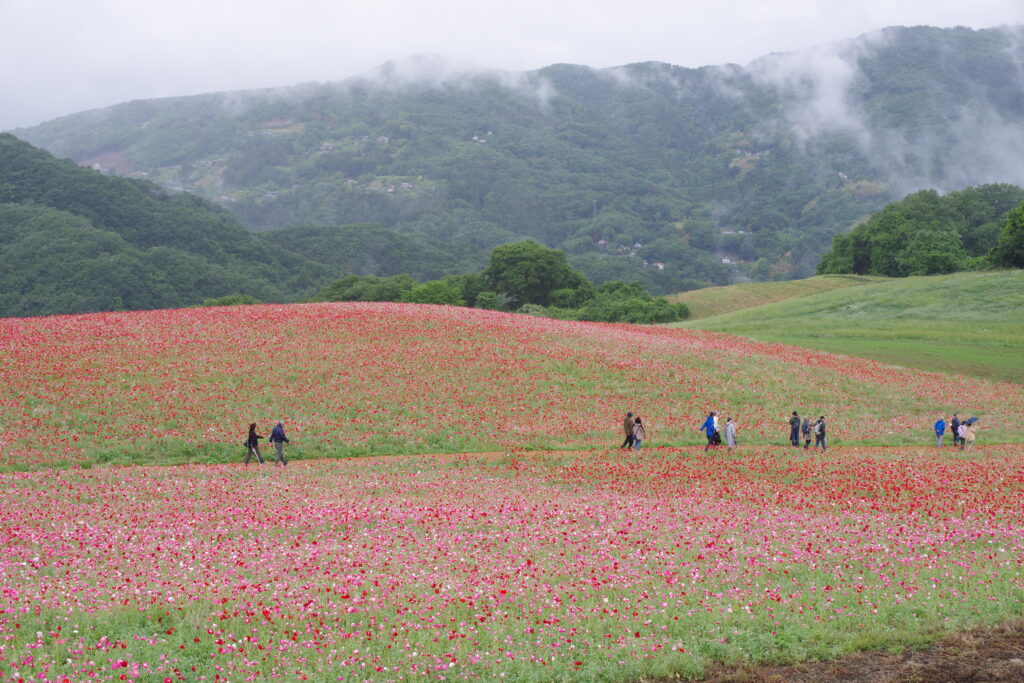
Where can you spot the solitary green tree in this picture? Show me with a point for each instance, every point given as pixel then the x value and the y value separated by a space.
pixel 528 273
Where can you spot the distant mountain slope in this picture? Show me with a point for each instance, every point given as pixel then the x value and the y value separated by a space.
pixel 73 240
pixel 965 323
pixel 646 171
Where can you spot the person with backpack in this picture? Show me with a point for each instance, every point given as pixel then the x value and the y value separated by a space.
pixel 708 427
pixel 278 438
pixel 940 431
pixel 794 430
pixel 805 429
pixel 639 433
pixel 252 445
pixel 819 434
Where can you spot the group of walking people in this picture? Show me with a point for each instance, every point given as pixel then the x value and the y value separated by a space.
pixel 277 437
pixel 711 430
pixel 715 431
pixel 805 429
pixel 963 432
pixel 633 428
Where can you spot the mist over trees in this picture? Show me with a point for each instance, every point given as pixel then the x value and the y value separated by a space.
pixel 672 177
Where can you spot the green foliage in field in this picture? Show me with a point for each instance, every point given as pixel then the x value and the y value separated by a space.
pixel 965 323
pixel 927 234
pixel 1009 249
pixel 522 276
pixel 530 273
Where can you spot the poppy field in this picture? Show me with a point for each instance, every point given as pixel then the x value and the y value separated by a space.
pixel 489 529
pixel 182 386
pixel 588 566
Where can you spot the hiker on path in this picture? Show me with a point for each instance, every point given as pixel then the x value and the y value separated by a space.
pixel 639 433
pixel 805 429
pixel 730 433
pixel 794 430
pixel 709 429
pixel 278 438
pixel 954 427
pixel 252 445
pixel 819 434
pixel 940 431
pixel 961 433
pixel 627 429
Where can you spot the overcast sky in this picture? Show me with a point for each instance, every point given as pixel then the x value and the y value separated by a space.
pixel 59 57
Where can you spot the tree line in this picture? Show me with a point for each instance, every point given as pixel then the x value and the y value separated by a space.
pixel 927 233
pixel 522 276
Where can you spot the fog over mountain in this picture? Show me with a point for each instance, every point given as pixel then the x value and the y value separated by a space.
pixel 693 170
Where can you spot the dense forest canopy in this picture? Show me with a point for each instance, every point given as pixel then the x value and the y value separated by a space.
pixel 927 234
pixel 673 177
pixel 73 240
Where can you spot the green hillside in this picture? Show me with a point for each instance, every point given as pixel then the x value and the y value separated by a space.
pixel 966 323
pixel 647 172
pixel 74 240
pixel 711 301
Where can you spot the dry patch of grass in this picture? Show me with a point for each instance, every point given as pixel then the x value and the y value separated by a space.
pixel 704 303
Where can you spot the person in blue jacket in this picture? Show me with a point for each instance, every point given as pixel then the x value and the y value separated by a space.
pixel 940 430
pixel 709 429
pixel 278 438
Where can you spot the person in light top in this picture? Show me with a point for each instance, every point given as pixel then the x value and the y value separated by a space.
pixel 639 433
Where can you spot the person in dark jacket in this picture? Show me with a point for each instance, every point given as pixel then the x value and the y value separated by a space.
pixel 805 429
pixel 252 445
pixel 794 430
pixel 627 429
pixel 819 433
pixel 954 427
pixel 278 438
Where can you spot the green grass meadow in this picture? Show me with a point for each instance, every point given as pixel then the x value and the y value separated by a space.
pixel 967 323
pixel 713 301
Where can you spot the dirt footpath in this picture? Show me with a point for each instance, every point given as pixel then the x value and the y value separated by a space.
pixel 991 655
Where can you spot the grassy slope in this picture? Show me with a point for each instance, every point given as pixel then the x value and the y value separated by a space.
pixel 711 301
pixel 967 323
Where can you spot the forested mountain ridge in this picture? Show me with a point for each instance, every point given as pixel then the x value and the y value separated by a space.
pixel 73 240
pixel 647 171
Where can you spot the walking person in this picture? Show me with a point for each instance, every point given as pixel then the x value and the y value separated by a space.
pixel 794 430
pixel 709 429
pixel 730 433
pixel 940 431
pixel 627 429
pixel 805 429
pixel 278 438
pixel 819 434
pixel 954 427
pixel 639 433
pixel 961 434
pixel 252 445
pixel 969 434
